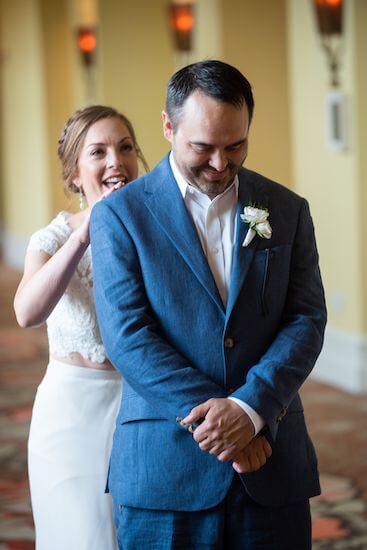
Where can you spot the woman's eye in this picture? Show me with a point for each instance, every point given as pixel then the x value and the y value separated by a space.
pixel 127 147
pixel 96 152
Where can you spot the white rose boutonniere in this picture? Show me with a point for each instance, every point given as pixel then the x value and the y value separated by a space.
pixel 258 220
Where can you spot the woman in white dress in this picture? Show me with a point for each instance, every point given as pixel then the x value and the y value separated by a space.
pixel 78 399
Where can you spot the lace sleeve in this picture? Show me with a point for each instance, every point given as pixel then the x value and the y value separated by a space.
pixel 72 325
pixel 50 238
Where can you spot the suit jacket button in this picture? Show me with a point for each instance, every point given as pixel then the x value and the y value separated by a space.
pixel 281 415
pixel 228 342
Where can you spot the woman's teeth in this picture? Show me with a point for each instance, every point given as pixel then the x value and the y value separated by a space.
pixel 110 182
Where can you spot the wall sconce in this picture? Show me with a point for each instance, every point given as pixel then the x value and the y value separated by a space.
pixel 329 15
pixel 182 22
pixel 336 121
pixel 87 44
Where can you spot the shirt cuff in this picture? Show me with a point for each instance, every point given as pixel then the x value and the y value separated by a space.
pixel 256 419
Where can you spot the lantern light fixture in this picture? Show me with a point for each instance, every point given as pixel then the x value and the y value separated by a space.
pixel 182 21
pixel 329 15
pixel 87 44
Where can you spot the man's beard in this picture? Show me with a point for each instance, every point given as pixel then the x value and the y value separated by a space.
pixel 197 177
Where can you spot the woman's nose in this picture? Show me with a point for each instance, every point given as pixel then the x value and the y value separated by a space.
pixel 115 159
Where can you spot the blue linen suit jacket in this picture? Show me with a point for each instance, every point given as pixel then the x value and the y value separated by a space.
pixel 166 330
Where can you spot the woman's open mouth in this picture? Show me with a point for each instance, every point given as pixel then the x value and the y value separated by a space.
pixel 111 182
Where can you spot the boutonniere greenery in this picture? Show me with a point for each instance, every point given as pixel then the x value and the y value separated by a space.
pixel 257 218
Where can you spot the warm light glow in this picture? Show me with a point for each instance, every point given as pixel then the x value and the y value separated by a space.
pixel 330 3
pixel 184 22
pixel 87 42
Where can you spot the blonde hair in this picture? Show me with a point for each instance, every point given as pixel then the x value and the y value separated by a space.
pixel 74 132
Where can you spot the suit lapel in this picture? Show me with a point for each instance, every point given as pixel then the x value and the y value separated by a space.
pixel 248 193
pixel 166 204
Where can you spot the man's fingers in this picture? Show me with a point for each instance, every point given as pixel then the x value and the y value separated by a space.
pixel 229 453
pixel 203 442
pixel 207 438
pixel 264 446
pixel 253 457
pixel 214 450
pixel 242 466
pixel 267 448
pixel 224 454
pixel 197 413
pixel 247 465
pixel 223 451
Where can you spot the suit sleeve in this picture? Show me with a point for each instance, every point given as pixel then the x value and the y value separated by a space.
pixel 129 330
pixel 274 381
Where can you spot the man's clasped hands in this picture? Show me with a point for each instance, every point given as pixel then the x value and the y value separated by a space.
pixel 227 432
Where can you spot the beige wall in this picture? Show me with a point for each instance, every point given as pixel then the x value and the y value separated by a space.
pixel 57 48
pixel 360 70
pixel 330 180
pixel 24 148
pixel 2 186
pixel 134 65
pixel 255 41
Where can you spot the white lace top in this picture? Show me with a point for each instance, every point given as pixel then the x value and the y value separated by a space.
pixel 72 326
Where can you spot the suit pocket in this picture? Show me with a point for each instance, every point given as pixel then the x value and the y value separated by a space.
pixel 272 270
pixel 264 306
pixel 133 407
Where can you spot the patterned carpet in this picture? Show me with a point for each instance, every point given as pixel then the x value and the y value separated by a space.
pixel 339 516
pixel 337 424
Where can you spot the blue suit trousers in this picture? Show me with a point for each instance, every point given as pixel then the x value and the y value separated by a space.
pixel 237 523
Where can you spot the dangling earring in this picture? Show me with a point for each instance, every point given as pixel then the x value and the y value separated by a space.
pixel 81 199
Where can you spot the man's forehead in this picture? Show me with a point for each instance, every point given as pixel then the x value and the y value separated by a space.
pixel 206 116
pixel 203 109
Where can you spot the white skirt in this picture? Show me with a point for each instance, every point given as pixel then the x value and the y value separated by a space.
pixel 69 447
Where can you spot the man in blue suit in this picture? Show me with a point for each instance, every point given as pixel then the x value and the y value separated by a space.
pixel 211 306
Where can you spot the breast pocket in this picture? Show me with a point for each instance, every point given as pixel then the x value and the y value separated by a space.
pixel 271 269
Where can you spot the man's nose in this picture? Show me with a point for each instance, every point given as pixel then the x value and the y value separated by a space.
pixel 218 161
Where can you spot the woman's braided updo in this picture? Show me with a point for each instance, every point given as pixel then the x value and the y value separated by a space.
pixel 74 132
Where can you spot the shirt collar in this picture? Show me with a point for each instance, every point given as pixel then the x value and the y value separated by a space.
pixel 185 187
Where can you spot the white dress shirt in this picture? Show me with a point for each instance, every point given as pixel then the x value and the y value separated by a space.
pixel 215 222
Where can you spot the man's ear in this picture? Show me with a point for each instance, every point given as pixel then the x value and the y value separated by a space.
pixel 167 127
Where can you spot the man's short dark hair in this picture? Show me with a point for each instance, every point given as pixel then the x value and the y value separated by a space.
pixel 213 78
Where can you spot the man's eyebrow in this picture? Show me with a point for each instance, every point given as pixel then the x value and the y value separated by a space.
pixel 203 144
pixel 200 143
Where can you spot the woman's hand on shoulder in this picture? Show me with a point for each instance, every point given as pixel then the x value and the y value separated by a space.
pixel 81 221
